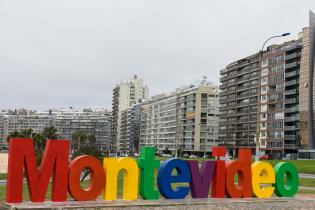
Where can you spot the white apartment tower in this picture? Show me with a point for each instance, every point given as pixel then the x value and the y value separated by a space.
pixel 125 95
pixel 185 120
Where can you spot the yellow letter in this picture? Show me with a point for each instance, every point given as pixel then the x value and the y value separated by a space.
pixel 262 173
pixel 112 166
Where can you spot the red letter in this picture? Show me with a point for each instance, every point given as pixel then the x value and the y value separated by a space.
pixel 218 181
pixel 54 162
pixel 243 168
pixel 97 178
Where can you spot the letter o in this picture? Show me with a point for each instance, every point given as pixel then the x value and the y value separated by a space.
pixel 292 183
pixel 97 178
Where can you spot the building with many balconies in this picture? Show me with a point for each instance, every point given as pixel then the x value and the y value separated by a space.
pixel 185 120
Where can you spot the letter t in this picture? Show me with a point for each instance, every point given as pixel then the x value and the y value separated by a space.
pixel 147 163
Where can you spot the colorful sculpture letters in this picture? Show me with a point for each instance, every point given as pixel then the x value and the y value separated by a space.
pixel 186 175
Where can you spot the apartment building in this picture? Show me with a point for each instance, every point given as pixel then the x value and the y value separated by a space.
pixel 306 81
pixel 271 94
pixel 130 130
pixel 185 120
pixel 97 122
pixel 125 95
pixel 66 121
pixel 279 99
pixel 239 103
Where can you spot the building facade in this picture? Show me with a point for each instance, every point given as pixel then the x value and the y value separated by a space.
pixel 125 95
pixel 96 122
pixel 307 77
pixel 270 95
pixel 185 120
pixel 66 121
pixel 279 99
pixel 239 103
pixel 130 130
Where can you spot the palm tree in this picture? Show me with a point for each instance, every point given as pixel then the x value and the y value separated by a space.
pixel 50 132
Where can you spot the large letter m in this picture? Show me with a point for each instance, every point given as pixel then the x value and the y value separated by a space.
pixel 54 164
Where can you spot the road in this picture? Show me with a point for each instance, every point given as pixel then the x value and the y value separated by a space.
pixel 303 175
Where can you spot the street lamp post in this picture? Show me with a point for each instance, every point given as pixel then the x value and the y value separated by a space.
pixel 256 139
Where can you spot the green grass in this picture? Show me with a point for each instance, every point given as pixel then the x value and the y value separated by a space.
pixel 307 182
pixel 3 176
pixel 306 191
pixel 303 166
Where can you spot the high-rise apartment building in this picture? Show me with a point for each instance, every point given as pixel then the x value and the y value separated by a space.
pixel 130 130
pixel 307 85
pixel 125 95
pixel 270 95
pixel 186 119
pixel 279 99
pixel 239 103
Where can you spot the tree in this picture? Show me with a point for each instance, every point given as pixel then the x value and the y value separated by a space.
pixel 84 144
pixel 38 138
pixel 50 132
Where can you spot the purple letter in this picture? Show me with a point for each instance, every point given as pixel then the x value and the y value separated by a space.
pixel 201 180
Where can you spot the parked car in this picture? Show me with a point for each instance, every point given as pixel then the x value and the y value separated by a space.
pixel 186 155
pixel 192 156
pixel 166 155
pixel 265 157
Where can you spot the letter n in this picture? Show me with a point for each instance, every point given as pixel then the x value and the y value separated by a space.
pixel 54 163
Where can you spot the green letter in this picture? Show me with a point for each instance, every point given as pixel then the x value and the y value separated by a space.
pixel 147 164
pixel 289 187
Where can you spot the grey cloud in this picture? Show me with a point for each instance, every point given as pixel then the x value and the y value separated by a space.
pixel 72 53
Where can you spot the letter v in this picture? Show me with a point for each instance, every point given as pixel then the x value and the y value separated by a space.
pixel 201 180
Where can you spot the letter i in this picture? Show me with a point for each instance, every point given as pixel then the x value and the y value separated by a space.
pixel 218 182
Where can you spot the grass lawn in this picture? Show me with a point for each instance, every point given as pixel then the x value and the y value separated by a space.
pixel 303 166
pixel 3 176
pixel 304 191
pixel 307 182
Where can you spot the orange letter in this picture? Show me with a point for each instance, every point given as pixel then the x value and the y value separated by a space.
pixel 242 167
pixel 97 178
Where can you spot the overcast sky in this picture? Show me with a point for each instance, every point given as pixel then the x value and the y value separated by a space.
pixel 72 52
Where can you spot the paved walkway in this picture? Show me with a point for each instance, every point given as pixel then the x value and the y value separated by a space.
pixel 300 202
pixel 303 175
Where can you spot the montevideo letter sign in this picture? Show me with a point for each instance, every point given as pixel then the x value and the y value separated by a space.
pixel 259 179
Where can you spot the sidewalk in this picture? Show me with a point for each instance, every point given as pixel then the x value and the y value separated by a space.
pixel 189 204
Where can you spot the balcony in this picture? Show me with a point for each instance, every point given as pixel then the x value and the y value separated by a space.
pixel 293 55
pixel 243 87
pixel 291 128
pixel 292 82
pixel 291 101
pixel 292 109
pixel 290 137
pixel 290 92
pixel 243 79
pixel 290 146
pixel 290 119
pixel 291 74
pixel 223 71
pixel 223 78
pixel 292 65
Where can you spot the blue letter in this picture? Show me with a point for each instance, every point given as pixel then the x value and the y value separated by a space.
pixel 165 178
